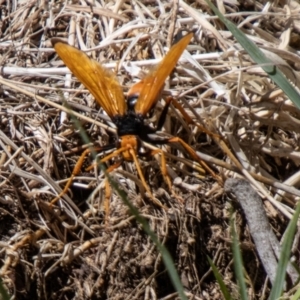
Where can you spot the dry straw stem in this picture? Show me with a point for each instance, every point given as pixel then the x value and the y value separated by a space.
pixel 254 134
pixel 267 245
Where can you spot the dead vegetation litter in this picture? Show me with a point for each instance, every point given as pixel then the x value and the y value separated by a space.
pixel 67 251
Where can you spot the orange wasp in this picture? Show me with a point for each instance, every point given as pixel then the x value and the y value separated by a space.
pixel 128 115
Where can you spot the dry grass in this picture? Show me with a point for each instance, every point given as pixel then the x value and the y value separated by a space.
pixel 67 251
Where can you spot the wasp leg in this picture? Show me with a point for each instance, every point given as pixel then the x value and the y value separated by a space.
pixel 194 156
pixel 217 138
pixel 163 168
pixel 135 160
pixel 107 157
pixel 190 150
pixel 75 172
pixel 138 167
pixel 163 115
pixel 190 121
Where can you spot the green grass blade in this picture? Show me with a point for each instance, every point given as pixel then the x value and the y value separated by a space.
pixel 285 256
pixel 296 296
pixel 219 278
pixel 3 292
pixel 238 263
pixel 259 57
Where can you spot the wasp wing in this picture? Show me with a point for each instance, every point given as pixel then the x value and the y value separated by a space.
pixel 154 81
pixel 101 82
